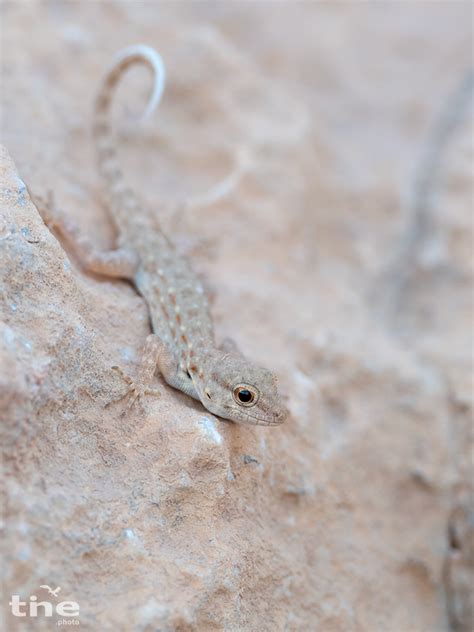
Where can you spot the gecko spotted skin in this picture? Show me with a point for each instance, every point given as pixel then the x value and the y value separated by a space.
pixel 182 344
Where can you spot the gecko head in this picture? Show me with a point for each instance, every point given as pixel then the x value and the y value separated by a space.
pixel 235 389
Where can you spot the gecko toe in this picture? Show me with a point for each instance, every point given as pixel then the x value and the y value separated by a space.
pixel 122 374
pixel 153 391
pixel 135 392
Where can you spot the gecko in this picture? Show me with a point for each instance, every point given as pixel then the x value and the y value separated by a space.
pixel 182 344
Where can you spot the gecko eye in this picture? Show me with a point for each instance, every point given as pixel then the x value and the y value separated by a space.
pixel 245 395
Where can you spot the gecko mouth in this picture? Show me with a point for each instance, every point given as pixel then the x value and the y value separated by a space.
pixel 251 416
pixel 274 420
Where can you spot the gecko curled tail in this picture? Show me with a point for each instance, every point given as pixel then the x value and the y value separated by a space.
pixel 123 198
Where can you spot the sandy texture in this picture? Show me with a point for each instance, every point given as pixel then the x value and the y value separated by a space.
pixel 297 131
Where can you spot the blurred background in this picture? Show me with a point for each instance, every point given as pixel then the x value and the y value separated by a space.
pixel 314 159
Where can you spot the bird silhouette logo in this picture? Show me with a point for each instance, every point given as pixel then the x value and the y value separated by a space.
pixel 50 590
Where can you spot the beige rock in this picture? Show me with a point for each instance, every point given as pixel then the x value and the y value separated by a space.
pixel 295 130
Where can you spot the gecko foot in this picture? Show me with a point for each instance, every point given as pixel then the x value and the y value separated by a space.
pixel 46 207
pixel 135 391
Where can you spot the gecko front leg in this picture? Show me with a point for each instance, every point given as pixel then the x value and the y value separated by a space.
pixel 155 354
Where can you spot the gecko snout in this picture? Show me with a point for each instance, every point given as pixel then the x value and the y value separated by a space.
pixel 280 416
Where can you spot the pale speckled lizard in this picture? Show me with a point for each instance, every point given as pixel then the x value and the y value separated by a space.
pixel 182 344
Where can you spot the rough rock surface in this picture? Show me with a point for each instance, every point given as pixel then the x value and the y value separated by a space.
pixel 296 130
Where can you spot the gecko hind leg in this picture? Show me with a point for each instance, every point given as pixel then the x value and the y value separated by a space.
pixel 119 263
